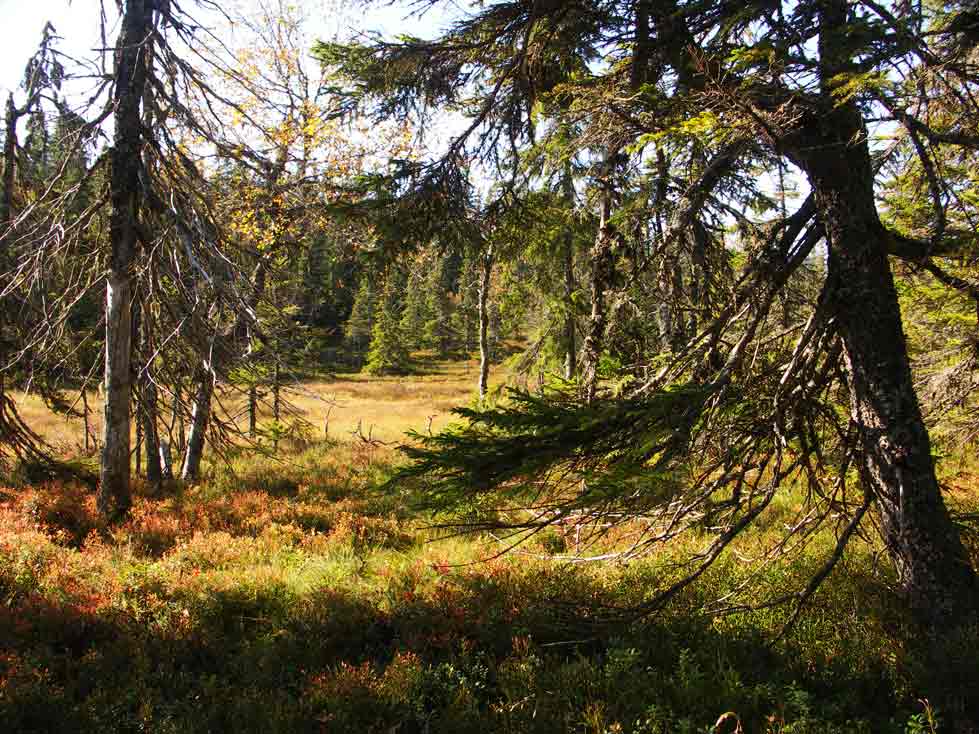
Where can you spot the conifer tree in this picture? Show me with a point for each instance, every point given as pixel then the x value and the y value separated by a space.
pixel 360 325
pixel 438 327
pixel 388 353
pixel 416 310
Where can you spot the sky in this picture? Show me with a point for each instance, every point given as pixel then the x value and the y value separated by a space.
pixel 77 22
pixel 22 26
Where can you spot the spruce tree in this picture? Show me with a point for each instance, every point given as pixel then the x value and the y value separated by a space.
pixel 388 353
pixel 416 312
pixel 707 95
pixel 439 329
pixel 359 327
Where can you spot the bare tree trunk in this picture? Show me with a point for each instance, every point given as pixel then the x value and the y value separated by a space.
pixel 177 421
pixel 114 490
pixel 114 495
pixel 9 167
pixel 484 348
pixel 602 271
pixel 570 348
pixel 200 416
pixel 166 461
pixel 207 373
pixel 138 451
pixel 85 416
pixel 6 210
pixel 147 433
pixel 151 435
pixel 252 411
pixel 276 404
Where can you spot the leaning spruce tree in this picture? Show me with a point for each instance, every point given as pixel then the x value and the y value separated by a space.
pixel 705 95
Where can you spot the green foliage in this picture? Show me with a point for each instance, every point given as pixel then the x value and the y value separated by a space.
pixel 388 353
pixel 360 325
pixel 439 328
pixel 428 318
pixel 415 312
pixel 603 447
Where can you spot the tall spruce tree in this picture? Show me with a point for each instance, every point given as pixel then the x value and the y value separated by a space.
pixel 360 325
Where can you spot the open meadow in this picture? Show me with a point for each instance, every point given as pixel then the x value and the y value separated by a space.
pixel 303 594
pixel 334 408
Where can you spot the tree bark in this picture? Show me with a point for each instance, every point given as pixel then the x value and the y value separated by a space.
pixel 898 470
pixel 570 348
pixel 114 494
pixel 151 435
pixel 6 211
pixel 148 410
pixel 602 272
pixel 208 371
pixel 9 170
pixel 200 416
pixel 252 411
pixel 484 348
pixel 276 406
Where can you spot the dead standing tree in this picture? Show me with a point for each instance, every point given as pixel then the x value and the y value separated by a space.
pixel 163 242
pixel 41 85
pixel 124 192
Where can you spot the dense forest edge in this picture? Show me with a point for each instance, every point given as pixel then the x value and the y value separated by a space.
pixel 579 366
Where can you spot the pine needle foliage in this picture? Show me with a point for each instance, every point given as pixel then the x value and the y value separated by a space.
pixel 556 455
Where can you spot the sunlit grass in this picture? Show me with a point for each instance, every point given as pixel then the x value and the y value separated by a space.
pixel 383 408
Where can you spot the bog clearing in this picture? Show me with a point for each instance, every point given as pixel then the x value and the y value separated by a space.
pixel 302 593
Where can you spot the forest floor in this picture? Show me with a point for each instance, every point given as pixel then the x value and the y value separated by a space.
pixel 302 594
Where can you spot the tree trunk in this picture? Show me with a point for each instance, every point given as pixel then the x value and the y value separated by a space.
pixel 114 495
pixel 6 211
pixel 88 429
pixel 252 411
pixel 570 348
pixel 147 433
pixel 898 470
pixel 151 435
pixel 484 349
pixel 924 544
pixel 114 490
pixel 602 271
pixel 206 374
pixel 276 406
pixel 200 416
pixel 177 421
pixel 166 461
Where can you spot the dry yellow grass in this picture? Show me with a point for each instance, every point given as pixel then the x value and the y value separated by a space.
pixel 64 433
pixel 389 406
pixel 384 407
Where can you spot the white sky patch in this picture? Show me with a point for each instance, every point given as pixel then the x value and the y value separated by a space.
pixel 23 21
pixel 77 22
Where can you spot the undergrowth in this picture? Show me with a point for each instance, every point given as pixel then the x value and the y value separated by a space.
pixel 295 596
